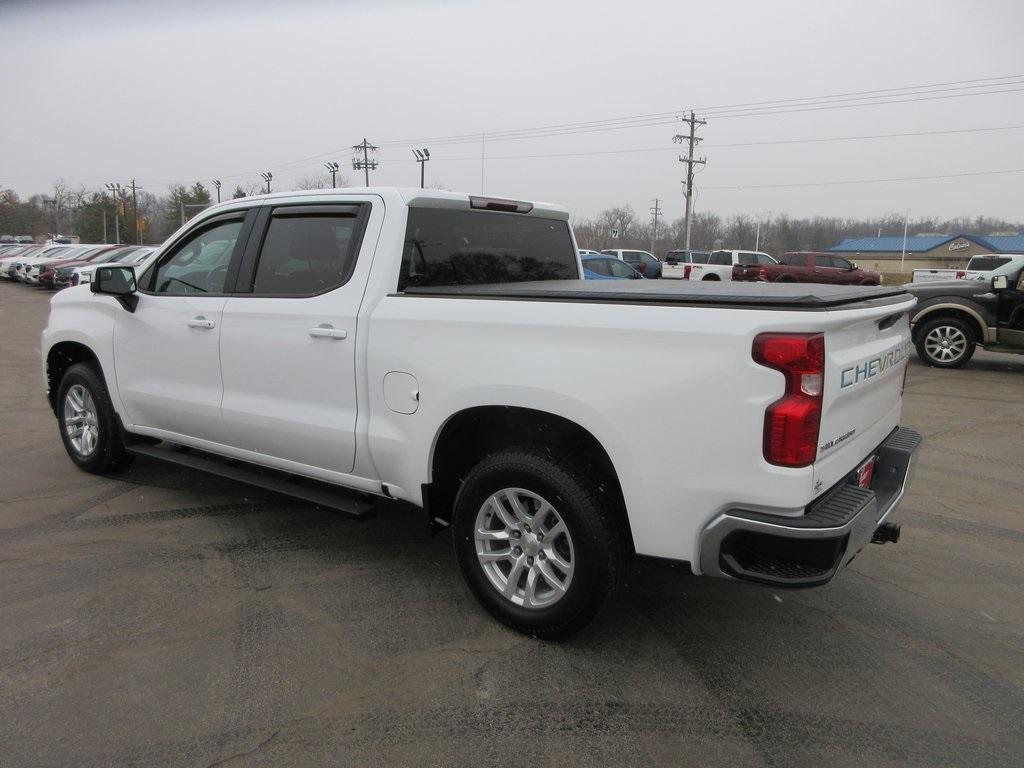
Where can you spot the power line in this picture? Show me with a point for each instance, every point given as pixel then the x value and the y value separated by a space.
pixel 868 181
pixel 772 142
pixel 909 94
pixel 674 114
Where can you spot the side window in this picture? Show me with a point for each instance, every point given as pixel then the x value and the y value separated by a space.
pixel 633 257
pixel 721 258
pixel 765 260
pixel 797 261
pixel 746 259
pixel 306 254
pixel 619 269
pixel 599 266
pixel 841 263
pixel 200 264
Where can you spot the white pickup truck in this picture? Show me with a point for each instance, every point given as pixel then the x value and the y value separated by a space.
pixel 978 268
pixel 720 263
pixel 441 350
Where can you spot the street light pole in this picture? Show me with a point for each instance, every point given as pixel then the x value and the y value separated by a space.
pixel 332 168
pixel 422 156
pixel 267 176
pixel 216 184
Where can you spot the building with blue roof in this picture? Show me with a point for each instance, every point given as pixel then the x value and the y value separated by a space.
pixel 884 254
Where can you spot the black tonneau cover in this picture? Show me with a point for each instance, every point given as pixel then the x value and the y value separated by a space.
pixel 740 294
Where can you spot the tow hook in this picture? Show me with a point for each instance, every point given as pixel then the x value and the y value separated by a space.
pixel 886 532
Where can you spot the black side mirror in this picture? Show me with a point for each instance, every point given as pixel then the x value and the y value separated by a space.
pixel 116 281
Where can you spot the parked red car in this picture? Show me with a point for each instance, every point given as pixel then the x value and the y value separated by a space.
pixel 808 267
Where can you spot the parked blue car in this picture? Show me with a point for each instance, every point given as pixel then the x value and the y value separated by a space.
pixel 608 268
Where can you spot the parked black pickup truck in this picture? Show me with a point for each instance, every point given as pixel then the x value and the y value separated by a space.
pixel 953 317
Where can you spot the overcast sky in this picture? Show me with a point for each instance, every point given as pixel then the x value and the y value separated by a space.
pixel 185 91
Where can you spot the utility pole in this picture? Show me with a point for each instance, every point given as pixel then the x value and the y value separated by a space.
pixel 365 164
pixel 267 177
pixel 216 184
pixel 422 156
pixel 104 226
pixel 115 191
pixel 135 212
pixel 691 140
pixel 757 237
pixel 655 212
pixel 483 155
pixel 332 168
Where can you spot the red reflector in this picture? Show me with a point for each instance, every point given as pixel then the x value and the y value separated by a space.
pixel 866 473
pixel 791 424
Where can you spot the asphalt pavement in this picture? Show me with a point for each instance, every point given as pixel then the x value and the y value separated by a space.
pixel 162 617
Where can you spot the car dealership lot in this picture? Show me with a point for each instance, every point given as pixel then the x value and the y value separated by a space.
pixel 163 617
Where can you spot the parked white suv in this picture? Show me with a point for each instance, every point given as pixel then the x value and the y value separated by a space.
pixel 720 263
pixel 441 349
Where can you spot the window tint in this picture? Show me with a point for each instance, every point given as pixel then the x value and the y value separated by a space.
pixel 796 261
pixel 746 259
pixel 841 263
pixel 721 258
pixel 306 254
pixel 765 259
pixel 987 263
pixel 451 247
pixel 633 257
pixel 620 269
pixel 648 259
pixel 599 266
pixel 200 265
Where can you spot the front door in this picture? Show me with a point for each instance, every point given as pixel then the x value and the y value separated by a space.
pixel 288 344
pixel 167 352
pixel 1011 312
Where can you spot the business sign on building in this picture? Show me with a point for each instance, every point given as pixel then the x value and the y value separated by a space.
pixel 960 245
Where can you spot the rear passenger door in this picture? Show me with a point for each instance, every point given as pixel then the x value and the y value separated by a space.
pixel 288 340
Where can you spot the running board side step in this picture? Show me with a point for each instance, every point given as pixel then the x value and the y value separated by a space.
pixel 351 503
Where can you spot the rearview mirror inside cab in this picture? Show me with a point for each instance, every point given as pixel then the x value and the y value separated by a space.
pixel 118 282
pixel 999 283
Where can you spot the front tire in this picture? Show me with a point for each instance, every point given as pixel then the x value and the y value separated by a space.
pixel 89 427
pixel 946 342
pixel 536 541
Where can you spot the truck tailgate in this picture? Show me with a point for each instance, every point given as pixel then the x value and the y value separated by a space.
pixel 865 364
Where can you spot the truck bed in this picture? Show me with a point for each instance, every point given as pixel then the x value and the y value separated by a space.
pixel 800 296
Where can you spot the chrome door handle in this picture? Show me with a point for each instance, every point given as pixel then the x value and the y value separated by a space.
pixel 328 332
pixel 201 322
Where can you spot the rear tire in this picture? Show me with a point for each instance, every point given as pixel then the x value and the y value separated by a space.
pixel 89 427
pixel 946 342
pixel 506 507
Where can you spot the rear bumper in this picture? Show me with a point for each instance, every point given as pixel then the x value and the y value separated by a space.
pixel 810 550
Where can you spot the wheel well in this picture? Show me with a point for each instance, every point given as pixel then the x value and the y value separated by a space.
pixel 61 357
pixel 712 277
pixel 946 312
pixel 472 435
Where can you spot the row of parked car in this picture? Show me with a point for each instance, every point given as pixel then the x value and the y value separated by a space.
pixel 796 267
pixel 60 265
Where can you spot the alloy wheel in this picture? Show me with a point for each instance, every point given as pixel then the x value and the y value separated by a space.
pixel 524 548
pixel 81 420
pixel 945 343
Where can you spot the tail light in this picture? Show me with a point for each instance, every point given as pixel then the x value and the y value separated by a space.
pixel 737 271
pixel 642 266
pixel 791 423
pixel 762 274
pixel 686 272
